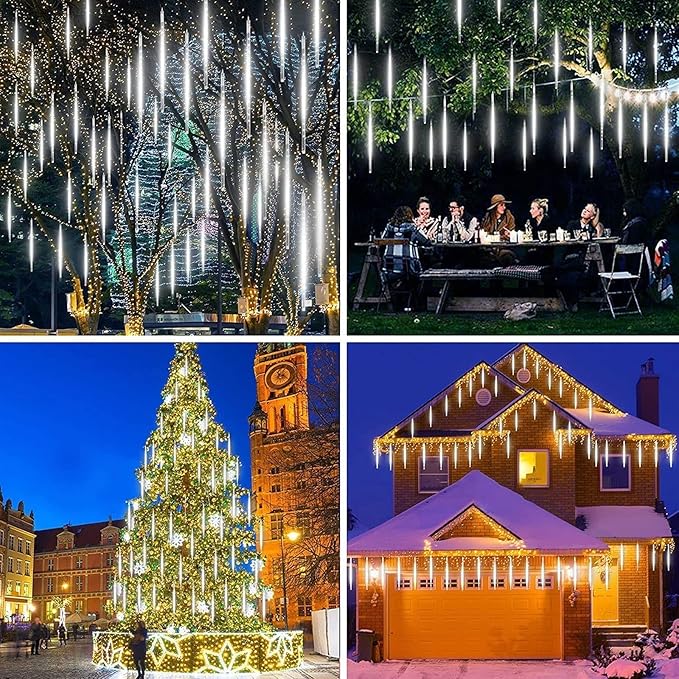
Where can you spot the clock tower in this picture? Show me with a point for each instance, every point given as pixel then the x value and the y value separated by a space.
pixel 281 376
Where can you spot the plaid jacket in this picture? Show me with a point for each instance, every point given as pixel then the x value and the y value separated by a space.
pixel 403 261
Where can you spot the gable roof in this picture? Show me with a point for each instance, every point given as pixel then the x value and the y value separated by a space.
pixel 599 400
pixel 449 389
pixel 536 528
pixel 86 535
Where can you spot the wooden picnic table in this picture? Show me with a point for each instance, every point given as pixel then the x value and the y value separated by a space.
pixel 442 265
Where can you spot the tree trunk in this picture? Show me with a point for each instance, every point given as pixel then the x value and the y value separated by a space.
pixel 87 314
pixel 135 324
pixel 135 309
pixel 256 324
pixel 333 321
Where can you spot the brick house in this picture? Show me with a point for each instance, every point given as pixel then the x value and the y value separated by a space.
pixel 526 517
pixel 77 562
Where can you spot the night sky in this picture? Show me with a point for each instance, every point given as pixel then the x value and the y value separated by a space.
pixel 75 418
pixel 388 381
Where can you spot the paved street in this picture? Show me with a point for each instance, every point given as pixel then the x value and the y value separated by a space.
pixel 74 661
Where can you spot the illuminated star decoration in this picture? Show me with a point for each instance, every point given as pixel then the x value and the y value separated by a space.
pixel 163 645
pixel 111 654
pixel 281 645
pixel 227 659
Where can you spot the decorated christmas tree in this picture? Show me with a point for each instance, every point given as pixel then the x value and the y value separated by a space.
pixel 188 561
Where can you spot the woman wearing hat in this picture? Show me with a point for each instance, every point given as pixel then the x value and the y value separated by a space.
pixel 498 218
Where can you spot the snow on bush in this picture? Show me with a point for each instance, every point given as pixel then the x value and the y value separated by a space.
pixel 624 668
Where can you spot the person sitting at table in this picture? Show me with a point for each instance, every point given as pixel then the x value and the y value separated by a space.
pixel 498 218
pixel 588 223
pixel 425 223
pixel 539 217
pixel 459 227
pixel 401 261
pixel 634 224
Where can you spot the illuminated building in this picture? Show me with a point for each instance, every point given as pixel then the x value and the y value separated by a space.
pixel 526 518
pixel 17 541
pixel 75 562
pixel 295 481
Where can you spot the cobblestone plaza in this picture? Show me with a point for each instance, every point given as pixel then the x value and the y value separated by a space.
pixel 74 661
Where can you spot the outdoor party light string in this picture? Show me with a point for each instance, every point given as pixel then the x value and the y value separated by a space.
pixel 640 98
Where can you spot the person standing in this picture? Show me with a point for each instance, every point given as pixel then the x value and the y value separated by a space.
pixel 138 646
pixel 3 629
pixel 62 635
pixel 35 634
pixel 634 226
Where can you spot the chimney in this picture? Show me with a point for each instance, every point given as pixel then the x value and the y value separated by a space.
pixel 648 394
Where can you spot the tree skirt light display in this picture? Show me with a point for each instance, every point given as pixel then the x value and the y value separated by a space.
pixel 203 652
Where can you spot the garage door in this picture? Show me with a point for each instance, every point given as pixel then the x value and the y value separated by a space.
pixel 473 623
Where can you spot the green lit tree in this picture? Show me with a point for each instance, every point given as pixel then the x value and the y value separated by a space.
pixel 188 558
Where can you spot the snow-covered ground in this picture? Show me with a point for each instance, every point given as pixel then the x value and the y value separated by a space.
pixel 489 669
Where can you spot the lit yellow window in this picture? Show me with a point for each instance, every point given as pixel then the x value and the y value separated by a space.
pixel 534 468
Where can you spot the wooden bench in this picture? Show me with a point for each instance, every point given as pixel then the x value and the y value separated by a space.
pixel 531 273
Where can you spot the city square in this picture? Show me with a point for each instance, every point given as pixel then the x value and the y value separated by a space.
pixel 226 557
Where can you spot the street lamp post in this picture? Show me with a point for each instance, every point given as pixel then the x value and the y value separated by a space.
pixel 293 536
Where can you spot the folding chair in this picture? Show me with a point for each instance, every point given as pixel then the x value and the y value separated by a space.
pixel 621 286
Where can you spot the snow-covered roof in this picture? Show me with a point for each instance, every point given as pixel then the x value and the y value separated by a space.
pixel 608 424
pixel 625 523
pixel 536 528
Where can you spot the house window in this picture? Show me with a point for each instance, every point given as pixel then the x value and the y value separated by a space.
pixel 50 585
pixel 110 579
pixel 520 583
pixel 50 564
pixel 109 560
pixel 11 542
pixel 79 562
pixel 276 525
pixel 434 475
pixel 425 583
pixel 27 569
pixel 404 583
pixel 276 488
pixel 451 583
pixel 20 566
pixel 10 564
pixel 28 548
pixel 303 606
pixel 20 545
pixel 2 563
pixel 9 587
pixel 2 537
pixel 497 583
pixel 79 583
pixel 534 468
pixel 109 539
pixel 615 476
pixel 548 582
pixel 275 470
pixel 25 590
pixel 17 588
pixel 78 607
pixel 473 583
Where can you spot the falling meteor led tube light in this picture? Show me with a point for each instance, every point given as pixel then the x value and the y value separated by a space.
pixel 248 75
pixel 390 78
pixel 206 41
pixel 492 127
pixel 317 31
pixel 424 91
pixel 370 137
pixel 140 79
pixel 444 133
pixel 282 33
pixel 355 76
pixel 303 94
pixel 377 26
pixel 319 217
pixel 162 60
pixel 187 81
pixel 411 135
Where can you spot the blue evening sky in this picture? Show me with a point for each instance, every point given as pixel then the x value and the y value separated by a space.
pixel 74 419
pixel 386 382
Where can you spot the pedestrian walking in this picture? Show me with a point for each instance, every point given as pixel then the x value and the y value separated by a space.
pixel 62 635
pixel 34 635
pixel 3 629
pixel 45 636
pixel 138 646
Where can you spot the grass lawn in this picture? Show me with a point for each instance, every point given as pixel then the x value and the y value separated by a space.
pixel 657 320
